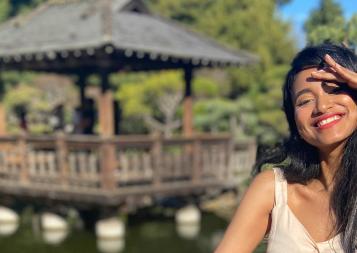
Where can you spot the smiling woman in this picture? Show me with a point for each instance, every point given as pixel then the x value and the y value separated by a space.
pixel 325 112
pixel 308 203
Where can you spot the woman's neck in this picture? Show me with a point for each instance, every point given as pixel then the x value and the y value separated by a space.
pixel 330 160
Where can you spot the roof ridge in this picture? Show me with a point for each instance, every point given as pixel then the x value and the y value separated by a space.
pixel 106 7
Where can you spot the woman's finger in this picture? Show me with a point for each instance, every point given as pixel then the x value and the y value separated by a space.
pixel 327 76
pixel 347 75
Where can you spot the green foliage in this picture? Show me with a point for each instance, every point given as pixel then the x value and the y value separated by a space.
pixel 139 93
pixel 22 6
pixel 352 31
pixel 11 8
pixel 214 114
pixel 32 99
pixel 325 23
pixel 327 13
pixel 138 96
pixel 4 9
pixel 251 25
pixel 204 87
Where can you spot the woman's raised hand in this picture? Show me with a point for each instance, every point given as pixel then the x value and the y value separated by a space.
pixel 336 73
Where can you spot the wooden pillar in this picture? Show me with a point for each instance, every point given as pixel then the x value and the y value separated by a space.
pixel 82 81
pixel 188 104
pixel 108 161
pixel 106 107
pixel 108 165
pixel 3 123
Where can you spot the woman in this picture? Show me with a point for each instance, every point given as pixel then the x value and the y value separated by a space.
pixel 309 203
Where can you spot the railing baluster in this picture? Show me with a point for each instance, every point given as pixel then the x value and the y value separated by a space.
pixel 22 156
pixel 197 162
pixel 62 158
pixel 108 164
pixel 157 158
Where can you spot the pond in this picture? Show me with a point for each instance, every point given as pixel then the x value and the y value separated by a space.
pixel 152 235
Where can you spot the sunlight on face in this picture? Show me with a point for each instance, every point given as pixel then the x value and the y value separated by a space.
pixel 325 112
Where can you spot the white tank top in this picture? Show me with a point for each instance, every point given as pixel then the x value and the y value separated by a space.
pixel 287 233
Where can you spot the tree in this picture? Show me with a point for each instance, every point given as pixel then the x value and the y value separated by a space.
pixel 251 25
pixel 153 101
pixel 351 37
pixel 326 23
pixel 22 6
pixel 4 9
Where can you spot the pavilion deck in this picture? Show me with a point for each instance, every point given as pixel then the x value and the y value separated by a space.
pixel 97 170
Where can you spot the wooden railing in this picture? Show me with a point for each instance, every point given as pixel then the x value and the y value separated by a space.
pixel 88 163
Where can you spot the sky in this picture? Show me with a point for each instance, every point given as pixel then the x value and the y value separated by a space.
pixel 298 10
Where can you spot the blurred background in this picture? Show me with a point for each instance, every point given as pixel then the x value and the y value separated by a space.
pixel 133 126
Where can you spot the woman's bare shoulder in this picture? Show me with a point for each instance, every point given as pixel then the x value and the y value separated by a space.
pixel 251 220
pixel 261 190
pixel 264 181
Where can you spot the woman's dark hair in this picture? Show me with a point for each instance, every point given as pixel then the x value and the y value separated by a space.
pixel 299 160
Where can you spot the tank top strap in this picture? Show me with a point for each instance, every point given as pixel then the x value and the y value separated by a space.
pixel 281 187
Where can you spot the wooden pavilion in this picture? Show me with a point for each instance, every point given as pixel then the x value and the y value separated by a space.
pixel 83 37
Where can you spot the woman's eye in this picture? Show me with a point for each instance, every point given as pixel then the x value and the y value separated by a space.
pixel 303 102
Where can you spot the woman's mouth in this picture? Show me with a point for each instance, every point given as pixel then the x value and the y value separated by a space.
pixel 328 121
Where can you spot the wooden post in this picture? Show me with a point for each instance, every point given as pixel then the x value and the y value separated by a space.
pixel 188 116
pixel 62 157
pixel 197 162
pixel 188 104
pixel 156 154
pixel 3 122
pixel 108 165
pixel 82 81
pixel 106 108
pixel 2 119
pixel 22 156
pixel 229 171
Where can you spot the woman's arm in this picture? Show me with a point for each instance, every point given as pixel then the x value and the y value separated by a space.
pixel 251 220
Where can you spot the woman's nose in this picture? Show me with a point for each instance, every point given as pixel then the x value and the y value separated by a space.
pixel 323 103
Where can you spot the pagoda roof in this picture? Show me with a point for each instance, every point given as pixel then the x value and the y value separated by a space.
pixel 106 32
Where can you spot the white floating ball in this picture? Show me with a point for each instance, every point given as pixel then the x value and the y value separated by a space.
pixel 188 215
pixel 50 221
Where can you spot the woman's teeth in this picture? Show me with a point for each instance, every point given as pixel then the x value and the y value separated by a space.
pixel 328 120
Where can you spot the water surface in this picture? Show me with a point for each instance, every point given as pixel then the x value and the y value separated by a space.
pixel 157 235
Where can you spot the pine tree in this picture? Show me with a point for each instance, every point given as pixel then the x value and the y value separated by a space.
pixel 326 23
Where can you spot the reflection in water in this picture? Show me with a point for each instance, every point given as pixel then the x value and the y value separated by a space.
pixel 143 235
pixel 54 228
pixel 7 229
pixel 110 245
pixel 112 228
pixel 9 221
pixel 54 237
pixel 188 231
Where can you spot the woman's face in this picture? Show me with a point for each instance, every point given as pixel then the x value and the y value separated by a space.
pixel 325 112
